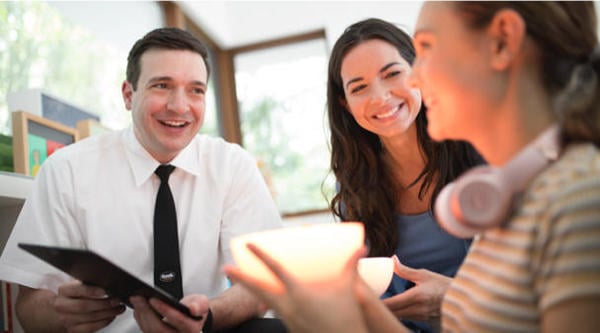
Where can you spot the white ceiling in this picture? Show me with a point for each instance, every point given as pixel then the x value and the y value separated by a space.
pixel 237 23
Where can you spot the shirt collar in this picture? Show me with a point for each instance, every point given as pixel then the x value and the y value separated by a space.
pixel 142 164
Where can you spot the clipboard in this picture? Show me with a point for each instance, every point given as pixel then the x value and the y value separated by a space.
pixel 93 269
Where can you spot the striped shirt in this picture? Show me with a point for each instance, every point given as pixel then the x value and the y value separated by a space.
pixel 548 252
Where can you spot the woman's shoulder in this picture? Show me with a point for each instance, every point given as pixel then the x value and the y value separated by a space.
pixel 572 183
pixel 578 163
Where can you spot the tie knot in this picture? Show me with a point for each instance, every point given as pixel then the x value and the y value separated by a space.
pixel 163 171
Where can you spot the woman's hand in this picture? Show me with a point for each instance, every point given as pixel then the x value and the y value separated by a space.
pixel 308 307
pixel 423 301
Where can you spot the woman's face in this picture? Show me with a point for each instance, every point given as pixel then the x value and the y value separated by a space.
pixel 375 88
pixel 452 72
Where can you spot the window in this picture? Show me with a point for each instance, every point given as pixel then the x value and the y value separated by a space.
pixel 211 121
pixel 68 50
pixel 281 96
pixel 40 48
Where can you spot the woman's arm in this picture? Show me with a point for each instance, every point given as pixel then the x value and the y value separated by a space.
pixel 580 315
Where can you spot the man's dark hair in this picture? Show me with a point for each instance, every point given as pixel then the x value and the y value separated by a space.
pixel 166 39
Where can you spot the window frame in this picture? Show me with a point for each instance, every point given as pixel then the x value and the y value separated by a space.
pixel 223 72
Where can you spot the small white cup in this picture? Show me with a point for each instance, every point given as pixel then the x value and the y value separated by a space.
pixel 377 272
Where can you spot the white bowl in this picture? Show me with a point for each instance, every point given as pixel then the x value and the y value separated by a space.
pixel 377 272
pixel 312 253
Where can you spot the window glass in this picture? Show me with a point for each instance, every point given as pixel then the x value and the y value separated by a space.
pixel 281 94
pixel 211 121
pixel 40 49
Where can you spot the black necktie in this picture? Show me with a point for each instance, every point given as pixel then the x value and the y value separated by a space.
pixel 167 271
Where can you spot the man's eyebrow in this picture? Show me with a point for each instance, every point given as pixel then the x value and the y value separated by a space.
pixel 168 78
pixel 199 83
pixel 159 78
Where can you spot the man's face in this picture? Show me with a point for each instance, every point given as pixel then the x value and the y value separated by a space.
pixel 168 105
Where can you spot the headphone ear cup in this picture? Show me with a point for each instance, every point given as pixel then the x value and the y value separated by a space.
pixel 476 201
pixel 446 218
pixel 483 198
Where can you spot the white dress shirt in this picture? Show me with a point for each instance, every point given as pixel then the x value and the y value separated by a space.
pixel 100 193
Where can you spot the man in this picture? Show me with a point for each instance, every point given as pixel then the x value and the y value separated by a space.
pixel 100 194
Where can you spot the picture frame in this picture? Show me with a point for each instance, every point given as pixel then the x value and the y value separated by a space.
pixel 90 127
pixel 35 138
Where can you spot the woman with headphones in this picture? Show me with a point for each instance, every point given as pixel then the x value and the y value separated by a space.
pixel 520 81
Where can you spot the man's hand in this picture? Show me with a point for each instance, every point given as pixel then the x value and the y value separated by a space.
pixel 83 308
pixel 154 316
pixel 423 301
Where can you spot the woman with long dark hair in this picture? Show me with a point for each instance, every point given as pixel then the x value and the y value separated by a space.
pixel 389 171
pixel 521 81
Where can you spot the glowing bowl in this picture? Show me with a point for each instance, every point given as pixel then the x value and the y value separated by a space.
pixel 312 253
pixel 377 272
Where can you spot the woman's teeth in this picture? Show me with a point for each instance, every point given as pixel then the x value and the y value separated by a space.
pixel 388 114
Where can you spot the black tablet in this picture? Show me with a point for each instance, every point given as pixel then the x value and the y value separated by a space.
pixel 93 269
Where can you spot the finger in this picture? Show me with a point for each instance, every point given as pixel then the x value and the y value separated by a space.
pixel 352 263
pixel 146 317
pixel 266 292
pixel 363 293
pixel 85 319
pixel 81 306
pixel 236 275
pixel 274 266
pixel 175 318
pixel 417 312
pixel 255 285
pixel 197 304
pixel 402 301
pixel 405 272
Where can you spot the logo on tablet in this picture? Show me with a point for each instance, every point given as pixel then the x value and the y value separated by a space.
pixel 167 276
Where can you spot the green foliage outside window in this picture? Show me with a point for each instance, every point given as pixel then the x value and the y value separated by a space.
pixel 39 49
pixel 296 179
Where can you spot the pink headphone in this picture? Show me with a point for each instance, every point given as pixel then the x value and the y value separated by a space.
pixel 482 197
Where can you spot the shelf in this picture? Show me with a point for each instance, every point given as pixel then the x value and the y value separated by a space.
pixel 14 189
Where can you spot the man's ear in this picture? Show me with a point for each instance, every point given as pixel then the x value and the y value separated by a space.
pixel 127 92
pixel 507 31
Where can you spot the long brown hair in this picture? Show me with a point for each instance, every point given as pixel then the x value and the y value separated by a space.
pixel 366 190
